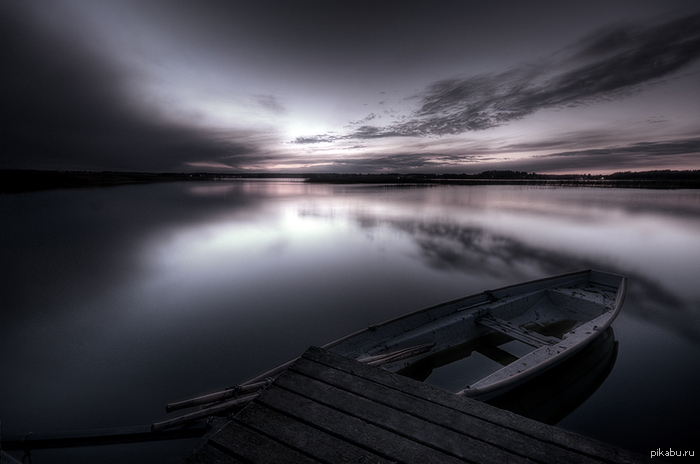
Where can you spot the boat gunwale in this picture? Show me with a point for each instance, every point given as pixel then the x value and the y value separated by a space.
pixel 485 293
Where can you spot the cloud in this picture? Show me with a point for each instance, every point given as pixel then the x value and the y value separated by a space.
pixel 599 72
pixel 670 154
pixel 271 103
pixel 66 107
pixel 404 162
pixel 71 101
pixel 315 139
pixel 677 147
pixel 567 153
pixel 366 119
pixel 673 154
pixel 604 66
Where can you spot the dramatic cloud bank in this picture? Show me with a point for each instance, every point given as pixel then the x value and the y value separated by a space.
pixel 66 108
pixel 446 87
pixel 608 65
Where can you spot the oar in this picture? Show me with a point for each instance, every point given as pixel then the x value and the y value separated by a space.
pixel 202 413
pixel 238 390
pixel 397 355
pixel 256 387
pixel 231 392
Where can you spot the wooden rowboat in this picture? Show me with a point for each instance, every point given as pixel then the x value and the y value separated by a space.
pixel 555 317
pixel 551 319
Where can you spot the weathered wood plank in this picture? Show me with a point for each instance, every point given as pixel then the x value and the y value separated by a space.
pixel 548 434
pixel 7 459
pixel 98 437
pixel 397 421
pixel 207 454
pixel 510 440
pixel 295 434
pixel 331 409
pixel 519 333
pixel 352 429
pixel 250 446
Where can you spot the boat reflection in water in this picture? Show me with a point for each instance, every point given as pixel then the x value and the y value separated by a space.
pixel 547 398
pixel 550 397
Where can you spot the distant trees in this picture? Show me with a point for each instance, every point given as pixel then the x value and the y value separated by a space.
pixel 656 175
pixel 12 180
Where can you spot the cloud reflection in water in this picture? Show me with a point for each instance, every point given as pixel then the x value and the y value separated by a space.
pixel 515 233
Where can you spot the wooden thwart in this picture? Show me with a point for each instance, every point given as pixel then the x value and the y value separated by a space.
pixel 519 333
pixel 332 409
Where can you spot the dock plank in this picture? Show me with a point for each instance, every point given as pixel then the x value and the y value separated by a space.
pixel 207 454
pixel 250 446
pixel 296 434
pixel 398 421
pixel 469 426
pixel 332 409
pixel 506 419
pixel 356 431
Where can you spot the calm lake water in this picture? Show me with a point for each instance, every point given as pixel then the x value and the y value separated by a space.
pixel 116 301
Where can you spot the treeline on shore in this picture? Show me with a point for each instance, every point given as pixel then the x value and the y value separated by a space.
pixel 665 179
pixel 14 180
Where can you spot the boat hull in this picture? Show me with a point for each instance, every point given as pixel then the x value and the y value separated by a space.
pixel 588 301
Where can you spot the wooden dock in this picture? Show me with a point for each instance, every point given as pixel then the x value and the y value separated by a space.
pixel 328 408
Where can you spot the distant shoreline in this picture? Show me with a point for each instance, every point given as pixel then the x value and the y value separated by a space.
pixel 647 180
pixel 18 181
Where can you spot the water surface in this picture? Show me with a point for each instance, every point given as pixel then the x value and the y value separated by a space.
pixel 119 300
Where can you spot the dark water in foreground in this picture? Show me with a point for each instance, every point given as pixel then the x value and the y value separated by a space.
pixel 117 301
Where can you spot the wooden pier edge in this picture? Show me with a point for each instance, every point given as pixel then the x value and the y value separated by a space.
pixel 101 437
pixel 332 409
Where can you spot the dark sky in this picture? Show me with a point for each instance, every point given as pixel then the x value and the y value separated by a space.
pixel 350 86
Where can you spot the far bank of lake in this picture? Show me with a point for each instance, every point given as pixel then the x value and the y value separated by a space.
pixel 16 181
